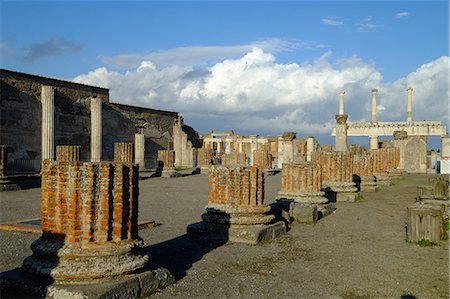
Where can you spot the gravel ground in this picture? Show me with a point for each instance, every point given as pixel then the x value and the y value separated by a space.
pixel 357 252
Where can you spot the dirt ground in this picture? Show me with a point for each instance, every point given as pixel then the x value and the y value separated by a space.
pixel 357 252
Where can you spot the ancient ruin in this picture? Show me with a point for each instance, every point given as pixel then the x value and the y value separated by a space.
pixel 236 210
pixel 204 159
pixel 124 152
pixel 363 172
pixel 89 244
pixel 337 176
pixel 166 164
pixel 68 153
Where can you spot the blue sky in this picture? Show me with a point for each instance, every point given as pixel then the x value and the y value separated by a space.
pixel 105 42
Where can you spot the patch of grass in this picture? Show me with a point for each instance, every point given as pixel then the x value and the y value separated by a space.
pixel 426 243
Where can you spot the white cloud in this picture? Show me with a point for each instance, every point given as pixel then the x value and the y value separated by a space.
pixel 402 14
pixel 332 21
pixel 367 25
pixel 255 94
pixel 195 55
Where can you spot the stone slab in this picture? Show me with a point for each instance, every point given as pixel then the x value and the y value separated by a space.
pixel 304 213
pixel 346 196
pixel 245 234
pixel 138 285
pixel 368 188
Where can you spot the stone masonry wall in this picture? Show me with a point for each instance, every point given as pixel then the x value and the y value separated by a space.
pixel 236 186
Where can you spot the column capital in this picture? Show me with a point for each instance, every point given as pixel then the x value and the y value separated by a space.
pixel 374 90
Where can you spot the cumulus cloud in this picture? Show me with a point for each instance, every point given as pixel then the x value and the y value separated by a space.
pixel 402 14
pixel 255 94
pixel 367 25
pixel 194 55
pixel 332 21
pixel 50 48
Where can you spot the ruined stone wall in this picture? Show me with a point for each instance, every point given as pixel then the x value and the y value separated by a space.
pixel 336 166
pixel 236 186
pixel 413 154
pixel 166 159
pixel 363 164
pixel 301 178
pixel 105 211
pixel 68 153
pixel 234 159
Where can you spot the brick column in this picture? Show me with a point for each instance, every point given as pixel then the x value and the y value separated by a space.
pixel 204 159
pixel 96 129
pixel 89 215
pixel 48 122
pixel 236 210
pixel 3 161
pixel 166 163
pixel 124 152
pixel 380 166
pixel 68 153
pixel 337 174
pixel 234 159
pixel 262 158
pixel 363 172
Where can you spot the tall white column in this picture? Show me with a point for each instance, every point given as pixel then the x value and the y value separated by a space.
pixel 373 142
pixel 48 122
pixel 341 102
pixel 374 105
pixel 240 146
pixel 139 150
pixel 96 129
pixel 409 106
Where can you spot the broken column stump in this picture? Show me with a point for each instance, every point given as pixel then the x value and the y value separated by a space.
pixel 236 210
pixel 68 153
pixel 301 185
pixel 166 164
pixel 380 166
pixel 204 159
pixel 425 222
pixel 89 246
pixel 337 178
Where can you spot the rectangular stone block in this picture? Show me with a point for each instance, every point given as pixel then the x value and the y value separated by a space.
pixel 424 222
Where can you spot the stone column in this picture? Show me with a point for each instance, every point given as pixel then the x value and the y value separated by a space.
pixel 90 234
pixel 240 147
pixel 373 142
pixel 374 105
pixel 337 170
pixel 310 142
pixel 341 133
pixel 219 147
pixel 380 165
pixel 3 161
pixel 363 173
pixel 124 152
pixel 166 164
pixel 139 150
pixel 48 122
pixel 204 159
pixel 409 105
pixel 262 159
pixel 96 130
pixel 341 102
pixel 68 153
pixel 445 146
pixel 236 210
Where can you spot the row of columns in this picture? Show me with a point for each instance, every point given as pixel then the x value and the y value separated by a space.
pixel 48 129
pixel 341 126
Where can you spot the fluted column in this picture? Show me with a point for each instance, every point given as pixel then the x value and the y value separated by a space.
pixel 139 150
pixel 96 129
pixel 48 122
pixel 309 148
pixel 341 102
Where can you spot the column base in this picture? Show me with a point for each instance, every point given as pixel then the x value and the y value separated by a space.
pixel 340 191
pixel 248 234
pixel 368 184
pixel 383 179
pixel 167 173
pixel 18 282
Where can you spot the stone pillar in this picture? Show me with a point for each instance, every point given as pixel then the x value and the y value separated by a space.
pixel 337 175
pixel 409 105
pixel 374 105
pixel 219 147
pixel 124 152
pixel 373 142
pixel 341 102
pixel 68 153
pixel 240 147
pixel 363 173
pixel 445 146
pixel 341 133
pixel 89 218
pixel 166 163
pixel 310 148
pixel 96 130
pixel 48 122
pixel 236 210
pixel 139 150
pixel 3 161
pixel 204 159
